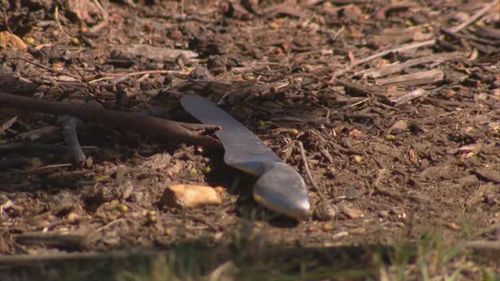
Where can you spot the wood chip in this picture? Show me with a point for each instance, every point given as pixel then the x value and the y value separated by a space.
pixel 406 98
pixel 414 79
pixel 189 196
pixel 489 174
pixel 8 124
pixel 352 212
pixel 159 53
pixel 435 59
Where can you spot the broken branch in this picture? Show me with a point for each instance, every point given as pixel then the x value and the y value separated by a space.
pixel 157 128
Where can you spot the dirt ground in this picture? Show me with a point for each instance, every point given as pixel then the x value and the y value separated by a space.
pixel 396 105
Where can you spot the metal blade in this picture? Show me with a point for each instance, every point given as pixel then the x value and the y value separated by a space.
pixel 280 187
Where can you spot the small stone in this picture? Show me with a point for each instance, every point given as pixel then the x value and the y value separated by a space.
pixel 398 127
pixel 151 217
pixel 219 189
pixel 189 196
pixel 72 217
pixel 339 235
pixel 351 212
pixel 207 170
pixel 169 232
pixel 293 132
pixel 310 229
pixel 218 236
pixel 356 134
pixel 122 208
pixel 30 41
pixel 325 211
pixel 390 137
pixel 75 41
pixel 328 226
pixel 453 226
pixel 383 214
pixel 11 41
pixel 358 159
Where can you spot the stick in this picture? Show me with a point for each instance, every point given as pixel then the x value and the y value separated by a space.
pixel 406 98
pixel 483 245
pixel 52 240
pixel 308 171
pixel 377 72
pixel 403 48
pixel 475 17
pixel 26 259
pixel 413 79
pixel 157 128
pixel 8 124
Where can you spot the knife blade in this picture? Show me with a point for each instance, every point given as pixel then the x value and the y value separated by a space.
pixel 279 187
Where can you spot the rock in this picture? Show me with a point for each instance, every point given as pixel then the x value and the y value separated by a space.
pixel 11 41
pixel 189 196
pixel 325 211
pixel 453 226
pixel 398 127
pixel 339 235
pixel 328 226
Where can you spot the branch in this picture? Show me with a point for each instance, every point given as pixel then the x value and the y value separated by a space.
pixel 157 128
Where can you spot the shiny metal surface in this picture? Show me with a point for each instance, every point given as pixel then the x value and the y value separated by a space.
pixel 279 187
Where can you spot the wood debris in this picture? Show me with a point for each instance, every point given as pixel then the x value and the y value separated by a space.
pixel 161 54
pixel 414 79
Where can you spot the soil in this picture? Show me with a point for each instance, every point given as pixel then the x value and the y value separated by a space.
pixel 385 166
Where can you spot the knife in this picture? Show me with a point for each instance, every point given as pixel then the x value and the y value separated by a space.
pixel 279 187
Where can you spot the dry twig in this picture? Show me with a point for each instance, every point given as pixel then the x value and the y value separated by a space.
pixel 308 171
pixel 157 128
